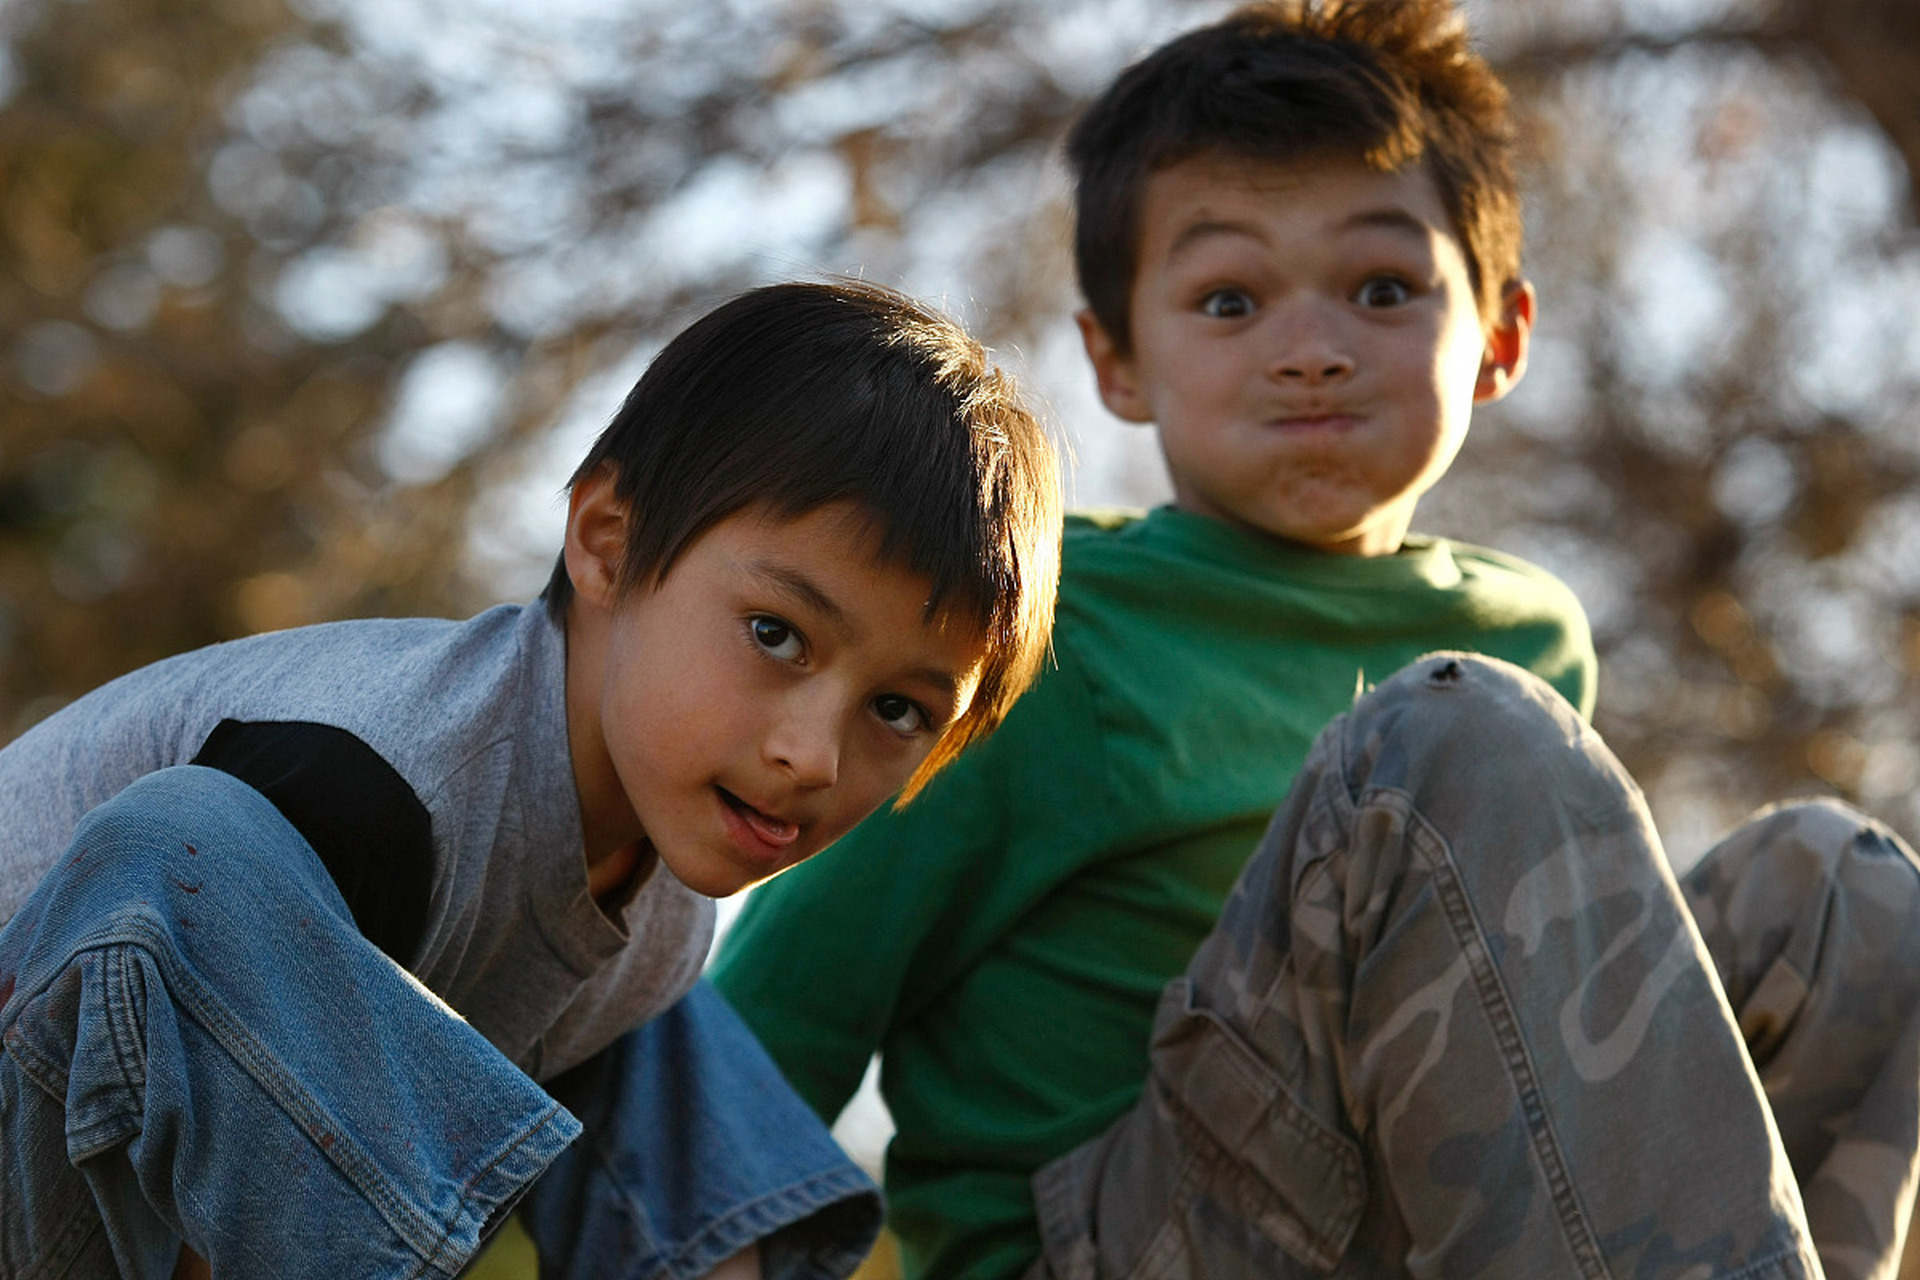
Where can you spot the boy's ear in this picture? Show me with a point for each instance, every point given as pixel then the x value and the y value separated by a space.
pixel 1114 373
pixel 1504 359
pixel 596 537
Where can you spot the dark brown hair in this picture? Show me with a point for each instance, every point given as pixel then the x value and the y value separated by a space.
pixel 1392 82
pixel 795 396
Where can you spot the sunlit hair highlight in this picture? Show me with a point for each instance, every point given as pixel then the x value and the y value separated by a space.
pixel 1394 83
pixel 796 396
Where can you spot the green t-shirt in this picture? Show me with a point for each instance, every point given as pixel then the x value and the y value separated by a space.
pixel 1002 941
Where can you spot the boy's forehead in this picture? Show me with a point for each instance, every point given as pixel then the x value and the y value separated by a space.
pixel 1214 192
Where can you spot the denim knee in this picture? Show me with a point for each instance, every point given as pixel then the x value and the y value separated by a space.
pixel 1798 846
pixel 277 1089
pixel 1802 890
pixel 1463 736
pixel 1445 701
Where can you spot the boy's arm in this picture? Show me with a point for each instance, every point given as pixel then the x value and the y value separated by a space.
pixel 356 812
pixel 1569 663
pixel 1549 636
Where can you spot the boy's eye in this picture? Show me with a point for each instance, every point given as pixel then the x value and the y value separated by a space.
pixel 1227 304
pixel 776 638
pixel 902 715
pixel 1383 291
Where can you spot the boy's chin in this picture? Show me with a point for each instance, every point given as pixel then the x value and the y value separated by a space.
pixel 716 878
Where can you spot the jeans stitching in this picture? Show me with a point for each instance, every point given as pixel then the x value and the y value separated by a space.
pixel 471 1192
pixel 814 1191
pixel 1218 1163
pixel 125 1021
pixel 429 1240
pixel 818 1190
pixel 1787 1263
pixel 1301 1126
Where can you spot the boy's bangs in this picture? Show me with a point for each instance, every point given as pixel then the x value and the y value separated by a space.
pixel 857 431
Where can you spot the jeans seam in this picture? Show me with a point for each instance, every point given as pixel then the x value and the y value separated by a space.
pixel 1495 1003
pixel 1161 1253
pixel 426 1238
pixel 421 1233
pixel 57 1262
pixel 1057 1189
pixel 1316 1239
pixel 834 1182
pixel 52 1076
pixel 823 1187
pixel 124 1021
pixel 1772 1265
pixel 430 1263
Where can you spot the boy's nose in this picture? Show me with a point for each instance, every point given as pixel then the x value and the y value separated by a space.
pixel 807 749
pixel 1312 370
pixel 1307 349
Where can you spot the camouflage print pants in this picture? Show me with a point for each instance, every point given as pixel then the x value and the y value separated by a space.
pixel 1459 1020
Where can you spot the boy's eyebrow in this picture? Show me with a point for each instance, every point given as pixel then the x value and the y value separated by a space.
pixel 1207 229
pixel 1390 218
pixel 1386 218
pixel 797 584
pixel 947 683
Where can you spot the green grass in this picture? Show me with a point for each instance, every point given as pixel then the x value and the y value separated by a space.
pixel 508 1256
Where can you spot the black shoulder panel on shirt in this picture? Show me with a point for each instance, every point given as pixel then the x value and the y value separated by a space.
pixel 354 808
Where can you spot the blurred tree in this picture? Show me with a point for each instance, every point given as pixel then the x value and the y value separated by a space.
pixel 1721 440
pixel 177 465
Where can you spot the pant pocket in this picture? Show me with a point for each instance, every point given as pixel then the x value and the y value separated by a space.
pixel 1300 1182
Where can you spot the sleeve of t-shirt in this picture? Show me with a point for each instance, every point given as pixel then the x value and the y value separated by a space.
pixel 1538 623
pixel 355 811
pixel 1569 662
pixel 826 959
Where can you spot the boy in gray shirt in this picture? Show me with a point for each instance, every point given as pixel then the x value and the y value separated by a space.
pixel 294 924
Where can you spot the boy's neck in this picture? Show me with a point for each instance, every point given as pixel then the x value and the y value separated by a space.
pixel 615 877
pixel 1376 544
pixel 609 831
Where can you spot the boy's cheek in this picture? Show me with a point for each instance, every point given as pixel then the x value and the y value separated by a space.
pixel 869 806
pixel 882 791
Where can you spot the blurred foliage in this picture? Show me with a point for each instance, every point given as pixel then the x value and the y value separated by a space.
pixel 304 307
pixel 176 464
pixel 1722 445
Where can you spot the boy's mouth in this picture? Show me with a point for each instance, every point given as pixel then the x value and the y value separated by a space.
pixel 775 831
pixel 1315 421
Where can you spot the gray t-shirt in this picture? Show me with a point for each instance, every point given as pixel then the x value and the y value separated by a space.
pixel 471 717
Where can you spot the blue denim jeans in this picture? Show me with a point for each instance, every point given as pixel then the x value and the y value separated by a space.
pixel 695 1148
pixel 196 1044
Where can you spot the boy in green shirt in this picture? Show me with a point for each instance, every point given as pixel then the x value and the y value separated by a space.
pixel 1298 237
